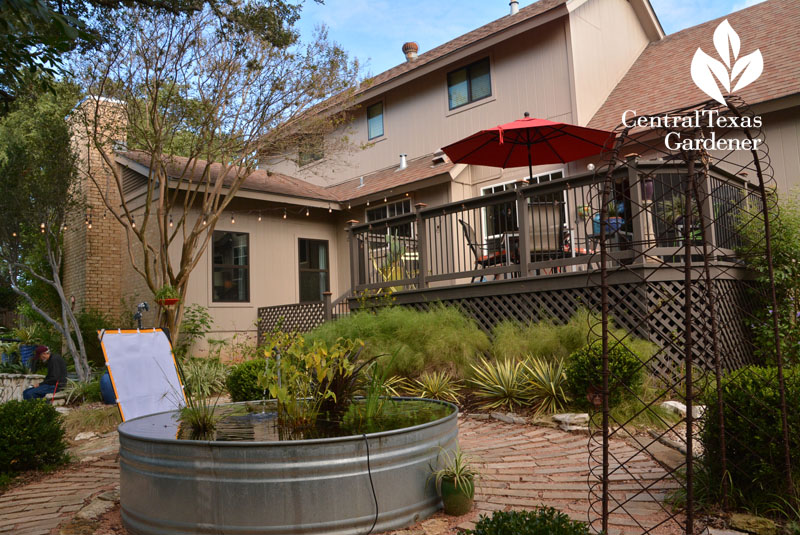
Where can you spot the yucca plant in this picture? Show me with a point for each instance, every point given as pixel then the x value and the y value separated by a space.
pixel 436 385
pixel 501 384
pixel 546 380
pixel 396 385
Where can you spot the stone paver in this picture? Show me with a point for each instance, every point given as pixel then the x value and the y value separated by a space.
pixel 39 508
pixel 524 467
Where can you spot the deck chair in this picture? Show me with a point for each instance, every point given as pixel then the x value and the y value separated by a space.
pixel 493 258
pixel 546 235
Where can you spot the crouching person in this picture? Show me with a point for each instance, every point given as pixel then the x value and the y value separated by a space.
pixel 56 374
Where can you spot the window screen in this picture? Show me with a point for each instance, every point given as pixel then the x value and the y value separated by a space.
pixel 375 120
pixel 469 84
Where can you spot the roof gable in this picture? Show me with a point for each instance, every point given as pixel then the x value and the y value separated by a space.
pixel 660 79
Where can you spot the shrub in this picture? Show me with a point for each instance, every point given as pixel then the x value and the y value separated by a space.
pixel 31 436
pixel 242 381
pixel 585 372
pixel 545 521
pixel 501 384
pixel 440 339
pixel 753 435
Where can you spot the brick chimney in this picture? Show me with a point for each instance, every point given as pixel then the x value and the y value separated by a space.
pixel 410 50
pixel 92 256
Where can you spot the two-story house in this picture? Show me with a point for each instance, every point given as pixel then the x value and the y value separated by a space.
pixel 577 61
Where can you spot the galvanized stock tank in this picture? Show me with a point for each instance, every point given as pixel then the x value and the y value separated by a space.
pixel 321 486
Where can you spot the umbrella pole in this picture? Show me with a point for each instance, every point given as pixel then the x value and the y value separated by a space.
pixel 530 160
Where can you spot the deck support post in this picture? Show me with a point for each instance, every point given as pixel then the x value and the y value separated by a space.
pixel 524 234
pixel 422 246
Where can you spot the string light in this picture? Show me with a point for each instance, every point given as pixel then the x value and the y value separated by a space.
pixel 41 226
pixel 170 220
pixel 384 199
pixel 205 220
pixel 367 203
pixel 348 206
pixel 133 222
pixel 330 210
pixel 64 226
pixel 307 212
pixel 89 224
pixel 284 213
pixel 14 234
pixel 86 219
pixel 104 213
pixel 233 218
pixel 259 216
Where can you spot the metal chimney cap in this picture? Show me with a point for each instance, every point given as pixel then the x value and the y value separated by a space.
pixel 514 4
pixel 410 50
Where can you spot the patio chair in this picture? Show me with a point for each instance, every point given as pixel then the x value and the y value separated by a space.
pixel 546 236
pixel 493 258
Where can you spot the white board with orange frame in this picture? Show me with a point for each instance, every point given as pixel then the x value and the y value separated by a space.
pixel 143 371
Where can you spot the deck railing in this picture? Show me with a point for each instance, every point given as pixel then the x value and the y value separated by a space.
pixel 537 230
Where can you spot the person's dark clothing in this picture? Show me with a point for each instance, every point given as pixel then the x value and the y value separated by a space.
pixel 36 392
pixel 56 371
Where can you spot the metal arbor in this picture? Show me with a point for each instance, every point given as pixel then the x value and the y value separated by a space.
pixel 690 211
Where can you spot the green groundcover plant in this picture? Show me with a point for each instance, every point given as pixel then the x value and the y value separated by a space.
pixel 242 381
pixel 545 521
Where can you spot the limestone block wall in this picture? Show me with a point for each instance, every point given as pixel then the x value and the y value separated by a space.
pixel 12 385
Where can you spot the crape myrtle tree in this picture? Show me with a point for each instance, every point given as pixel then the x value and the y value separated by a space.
pixel 37 177
pixel 184 85
pixel 36 35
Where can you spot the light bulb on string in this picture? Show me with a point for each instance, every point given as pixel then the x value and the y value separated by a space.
pixel 170 221
pixel 133 222
pixel 259 216
pixel 233 218
pixel 89 224
pixel 41 226
pixel 205 220
pixel 307 212
pixel 64 226
pixel 348 206
pixel 104 213
pixel 86 219
pixel 284 213
pixel 14 234
pixel 367 203
pixel 384 199
pixel 330 210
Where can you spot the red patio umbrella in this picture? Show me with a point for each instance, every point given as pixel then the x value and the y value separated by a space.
pixel 530 142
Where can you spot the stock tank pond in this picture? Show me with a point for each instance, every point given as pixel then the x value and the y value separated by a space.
pixel 257 477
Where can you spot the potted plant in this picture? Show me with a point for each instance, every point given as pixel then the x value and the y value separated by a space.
pixel 167 295
pixel 455 482
pixel 614 219
pixel 29 338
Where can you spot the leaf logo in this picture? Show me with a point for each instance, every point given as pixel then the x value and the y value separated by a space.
pixel 707 71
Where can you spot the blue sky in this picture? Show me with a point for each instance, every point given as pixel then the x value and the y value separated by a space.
pixel 374 30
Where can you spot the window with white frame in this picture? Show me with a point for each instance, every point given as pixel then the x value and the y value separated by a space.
pixel 391 209
pixel 375 120
pixel 500 219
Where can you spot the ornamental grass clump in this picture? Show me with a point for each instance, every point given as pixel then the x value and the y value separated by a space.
pixel 439 339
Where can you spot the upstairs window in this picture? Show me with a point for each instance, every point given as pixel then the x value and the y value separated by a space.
pixel 375 120
pixel 469 84
pixel 310 149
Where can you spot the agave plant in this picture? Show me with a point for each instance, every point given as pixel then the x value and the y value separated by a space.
pixel 436 385
pixel 501 383
pixel 546 380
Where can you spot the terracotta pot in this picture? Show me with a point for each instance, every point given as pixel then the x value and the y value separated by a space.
pixel 457 501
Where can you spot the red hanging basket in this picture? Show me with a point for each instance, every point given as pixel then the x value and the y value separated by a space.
pixel 168 302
